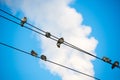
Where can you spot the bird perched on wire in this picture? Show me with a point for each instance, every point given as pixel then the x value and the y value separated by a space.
pixel 23 21
pixel 47 34
pixel 115 64
pixel 43 57
pixel 33 53
pixel 105 59
pixel 59 42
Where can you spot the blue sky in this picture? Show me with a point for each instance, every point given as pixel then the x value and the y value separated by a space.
pixel 101 15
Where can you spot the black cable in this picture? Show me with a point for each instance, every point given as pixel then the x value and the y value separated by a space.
pixel 19 24
pixel 10 20
pixel 35 27
pixel 47 60
pixel 72 69
pixel 14 48
pixel 74 47
pixel 10 14
pixel 53 37
pixel 26 27
pixel 65 43
pixel 20 20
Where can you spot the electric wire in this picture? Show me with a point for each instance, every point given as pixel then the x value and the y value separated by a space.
pixel 48 60
pixel 14 48
pixel 20 20
pixel 53 37
pixel 26 27
pixel 73 70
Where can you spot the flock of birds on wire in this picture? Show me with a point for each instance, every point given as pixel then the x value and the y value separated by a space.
pixel 59 42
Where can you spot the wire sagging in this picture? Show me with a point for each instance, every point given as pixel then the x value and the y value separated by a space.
pixel 49 35
pixel 33 53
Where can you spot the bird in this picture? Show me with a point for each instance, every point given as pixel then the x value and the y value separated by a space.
pixel 105 59
pixel 23 21
pixel 43 57
pixel 59 42
pixel 47 34
pixel 33 53
pixel 115 64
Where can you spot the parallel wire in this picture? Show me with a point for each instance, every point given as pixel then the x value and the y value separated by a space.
pixel 53 37
pixel 73 70
pixel 48 60
pixel 14 48
pixel 19 24
pixel 20 20
pixel 26 27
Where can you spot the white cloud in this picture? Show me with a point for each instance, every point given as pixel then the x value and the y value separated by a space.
pixel 61 20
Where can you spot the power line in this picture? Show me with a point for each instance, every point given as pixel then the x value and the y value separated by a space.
pixel 19 24
pixel 26 27
pixel 66 43
pixel 20 20
pixel 72 69
pixel 14 48
pixel 52 36
pixel 35 55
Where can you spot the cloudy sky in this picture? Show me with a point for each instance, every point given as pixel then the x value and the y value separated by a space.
pixel 89 24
